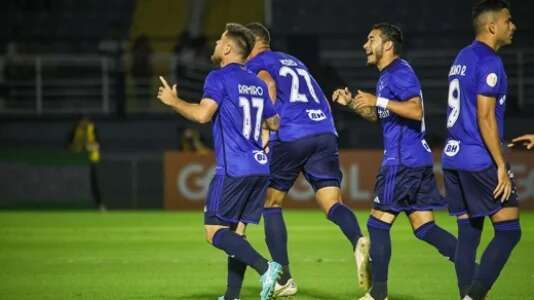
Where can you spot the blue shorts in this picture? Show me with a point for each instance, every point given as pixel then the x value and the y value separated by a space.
pixel 317 157
pixel 235 199
pixel 400 188
pixel 472 192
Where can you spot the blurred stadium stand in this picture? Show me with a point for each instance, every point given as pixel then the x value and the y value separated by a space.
pixel 65 58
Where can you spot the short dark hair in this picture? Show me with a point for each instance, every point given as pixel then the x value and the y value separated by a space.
pixel 260 31
pixel 393 33
pixel 242 36
pixel 487 6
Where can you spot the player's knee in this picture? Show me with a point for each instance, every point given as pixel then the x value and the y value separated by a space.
pixel 210 233
pixel 509 230
pixel 274 198
pixel 421 231
pixel 273 203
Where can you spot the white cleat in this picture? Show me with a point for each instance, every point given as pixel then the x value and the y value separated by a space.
pixel 288 289
pixel 361 255
pixel 369 297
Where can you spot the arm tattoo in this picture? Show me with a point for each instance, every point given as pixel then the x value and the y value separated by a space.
pixel 368 113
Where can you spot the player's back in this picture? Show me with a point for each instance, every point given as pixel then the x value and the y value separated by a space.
pixel 244 103
pixel 303 108
pixel 477 70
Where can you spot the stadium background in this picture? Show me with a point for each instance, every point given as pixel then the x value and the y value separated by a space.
pixel 61 60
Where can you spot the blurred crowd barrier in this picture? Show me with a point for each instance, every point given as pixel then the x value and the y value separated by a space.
pixel 187 178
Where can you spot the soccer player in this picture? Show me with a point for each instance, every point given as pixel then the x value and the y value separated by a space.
pixel 306 142
pixel 238 104
pixel 477 180
pixel 527 140
pixel 406 182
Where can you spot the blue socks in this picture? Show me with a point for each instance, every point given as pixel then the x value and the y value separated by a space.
pixel 235 245
pixel 507 235
pixel 236 273
pixel 439 238
pixel 380 255
pixel 343 217
pixel 276 239
pixel 469 231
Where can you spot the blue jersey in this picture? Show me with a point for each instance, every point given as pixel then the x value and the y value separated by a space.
pixel 301 104
pixel 243 103
pixel 404 142
pixel 477 70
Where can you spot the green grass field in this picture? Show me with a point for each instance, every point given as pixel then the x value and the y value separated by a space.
pixel 163 255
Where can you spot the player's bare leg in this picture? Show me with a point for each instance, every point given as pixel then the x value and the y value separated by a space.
pixel 427 230
pixel 329 200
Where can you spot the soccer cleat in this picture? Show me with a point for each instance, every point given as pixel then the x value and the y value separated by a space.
pixel 268 280
pixel 222 298
pixel 361 255
pixel 288 289
pixel 368 296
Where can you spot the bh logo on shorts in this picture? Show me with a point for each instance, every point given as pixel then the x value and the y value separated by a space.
pixel 260 156
pixel 316 115
pixel 452 148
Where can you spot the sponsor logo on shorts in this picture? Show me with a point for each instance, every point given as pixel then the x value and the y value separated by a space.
pixel 260 157
pixel 451 148
pixel 316 115
pixel 376 200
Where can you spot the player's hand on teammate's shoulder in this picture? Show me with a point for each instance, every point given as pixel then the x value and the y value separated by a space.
pixel 166 94
pixel 364 99
pixel 342 96
pixel 527 140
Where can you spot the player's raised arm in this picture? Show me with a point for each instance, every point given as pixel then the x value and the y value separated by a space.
pixel 489 130
pixel 409 109
pixel 344 97
pixel 198 112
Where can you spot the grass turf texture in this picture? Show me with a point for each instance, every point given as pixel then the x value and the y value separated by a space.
pixel 163 255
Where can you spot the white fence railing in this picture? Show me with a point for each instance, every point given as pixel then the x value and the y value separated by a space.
pixel 69 83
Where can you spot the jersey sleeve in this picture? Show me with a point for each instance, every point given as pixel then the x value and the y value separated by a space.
pixel 214 87
pixel 489 72
pixel 405 85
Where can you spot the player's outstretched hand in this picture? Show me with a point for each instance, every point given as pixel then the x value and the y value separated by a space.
pixel 166 94
pixel 527 139
pixel 342 96
pixel 504 185
pixel 364 99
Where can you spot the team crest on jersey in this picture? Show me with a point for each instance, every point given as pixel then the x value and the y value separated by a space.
pixel 260 156
pixel 452 148
pixel 316 115
pixel 491 79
